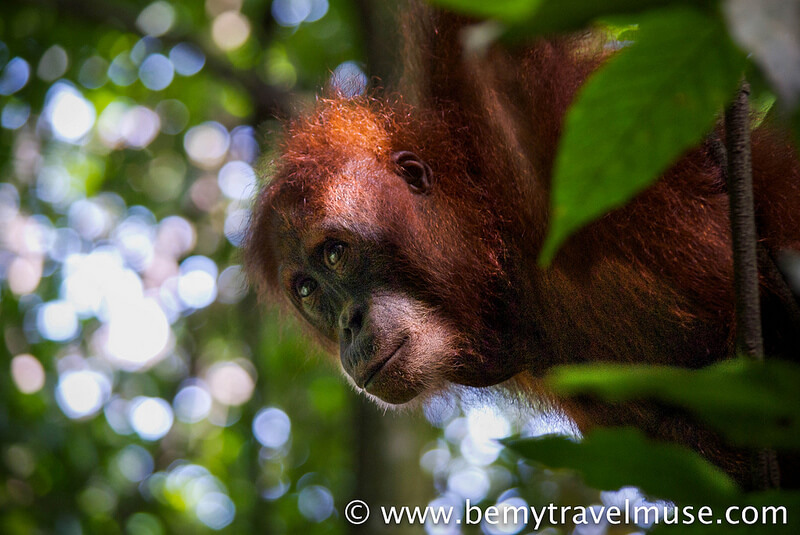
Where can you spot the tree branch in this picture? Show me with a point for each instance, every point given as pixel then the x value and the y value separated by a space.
pixel 743 226
pixel 749 340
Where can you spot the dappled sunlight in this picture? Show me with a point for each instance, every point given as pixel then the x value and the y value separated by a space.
pixel 147 392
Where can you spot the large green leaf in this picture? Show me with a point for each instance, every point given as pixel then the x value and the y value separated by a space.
pixel 753 403
pixel 638 114
pixel 612 458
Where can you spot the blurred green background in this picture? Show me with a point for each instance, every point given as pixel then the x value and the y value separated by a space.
pixel 144 390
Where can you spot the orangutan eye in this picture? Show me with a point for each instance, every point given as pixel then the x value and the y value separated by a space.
pixel 334 251
pixel 305 287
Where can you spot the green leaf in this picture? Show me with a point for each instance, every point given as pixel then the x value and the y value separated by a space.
pixel 505 10
pixel 752 403
pixel 530 17
pixel 638 114
pixel 563 15
pixel 612 458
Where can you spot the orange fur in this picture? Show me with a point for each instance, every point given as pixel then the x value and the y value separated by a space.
pixel 649 282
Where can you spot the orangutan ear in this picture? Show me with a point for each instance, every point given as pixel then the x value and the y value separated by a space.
pixel 414 171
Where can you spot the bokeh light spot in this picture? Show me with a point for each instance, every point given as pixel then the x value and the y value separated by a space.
pixel 318 10
pixel 230 30
pixel 174 116
pixel 24 275
pixel 215 510
pixel 116 413
pixel 82 393
pixel 143 524
pixel 207 144
pixel 236 225
pixel 291 13
pixel 230 384
pixel 89 219
pixel 156 19
pixel 14 76
pixel 451 502
pixel 315 502
pixel 188 59
pixel 9 202
pixel 57 321
pixel 237 180
pixel 15 114
pixel 139 126
pixel 53 184
pixel 20 460
pixel 486 423
pixel 349 79
pixel 506 524
pixel 471 483
pixel 272 427
pixel 150 417
pixel 243 144
pixel 138 333
pixel 232 284
pixel 53 64
pixel 197 285
pixel 93 73
pixel 156 72
pixel 134 238
pixel 175 236
pixel 70 115
pixel 122 70
pixel 192 403
pixel 98 499
pixel 279 69
pixel 28 373
pixel 109 125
